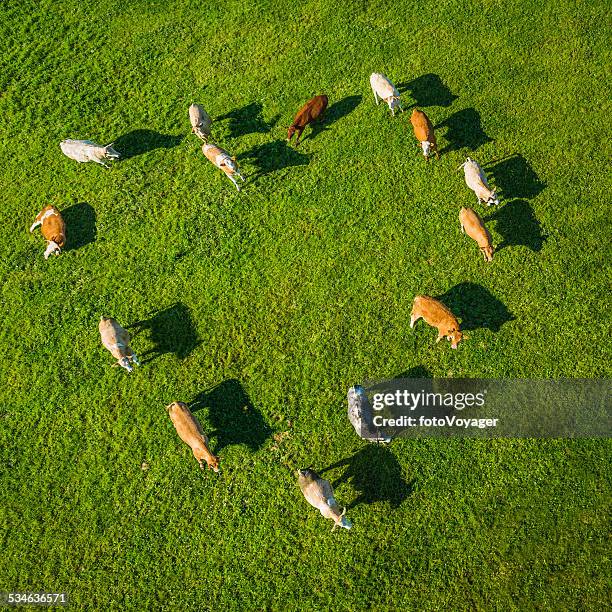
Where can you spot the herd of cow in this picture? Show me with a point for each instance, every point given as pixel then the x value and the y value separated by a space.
pixel 317 491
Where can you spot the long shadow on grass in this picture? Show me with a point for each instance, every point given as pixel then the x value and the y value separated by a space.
pixel 80 225
pixel 428 90
pixel 138 142
pixel 515 178
pixel 464 130
pixel 336 111
pixel 273 156
pixel 248 120
pixel 375 474
pixel 416 372
pixel 232 414
pixel 170 330
pixel 476 307
pixel 518 225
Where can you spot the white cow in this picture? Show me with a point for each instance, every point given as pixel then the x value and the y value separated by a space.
pixel 384 89
pixel 477 182
pixel 86 150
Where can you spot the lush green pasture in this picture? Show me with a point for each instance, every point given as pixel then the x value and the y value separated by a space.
pixel 263 307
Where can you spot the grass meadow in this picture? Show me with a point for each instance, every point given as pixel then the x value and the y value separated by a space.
pixel 262 307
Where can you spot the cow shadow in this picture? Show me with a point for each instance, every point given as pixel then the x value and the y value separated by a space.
pixel 476 307
pixel 464 130
pixel 375 474
pixel 416 372
pixel 273 156
pixel 171 330
pixel 333 113
pixel 137 142
pixel 518 226
pixel 232 415
pixel 428 90
pixel 248 120
pixel 80 225
pixel 515 178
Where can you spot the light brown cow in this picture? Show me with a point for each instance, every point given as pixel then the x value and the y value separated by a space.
pixel 474 227
pixel 117 340
pixel 200 122
pixel 53 229
pixel 424 132
pixel 320 494
pixel 190 432
pixel 221 158
pixel 437 315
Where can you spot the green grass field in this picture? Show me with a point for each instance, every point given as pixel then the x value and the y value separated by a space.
pixel 263 307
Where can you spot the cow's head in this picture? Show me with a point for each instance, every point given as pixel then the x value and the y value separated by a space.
pixel 110 153
pixel 52 249
pixel 454 336
pixel 125 364
pixel 493 199
pixel 487 252
pixel 426 146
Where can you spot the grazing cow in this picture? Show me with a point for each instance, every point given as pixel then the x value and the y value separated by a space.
pixel 311 111
pixel 361 415
pixel 86 150
pixel 200 122
pixel 221 158
pixel 319 493
pixel 424 132
pixel 117 341
pixel 477 182
pixel 473 226
pixel 190 432
pixel 53 229
pixel 384 89
pixel 437 315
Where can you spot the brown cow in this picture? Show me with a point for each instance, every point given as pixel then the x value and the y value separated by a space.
pixel 474 227
pixel 190 432
pixel 424 132
pixel 312 110
pixel 53 229
pixel 437 315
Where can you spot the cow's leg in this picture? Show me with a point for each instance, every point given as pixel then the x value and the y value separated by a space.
pixel 35 224
pixel 440 336
pixel 231 178
pixel 375 96
pixel 299 135
pixel 413 319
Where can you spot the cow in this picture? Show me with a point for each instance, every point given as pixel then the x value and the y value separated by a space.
pixel 319 493
pixel 474 227
pixel 117 340
pixel 311 111
pixel 190 432
pixel 424 132
pixel 200 122
pixel 86 151
pixel 477 182
pixel 437 315
pixel 384 89
pixel 53 229
pixel 221 158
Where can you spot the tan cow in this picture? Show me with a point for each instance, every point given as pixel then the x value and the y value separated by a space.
pixel 424 132
pixel 221 158
pixel 190 432
pixel 200 122
pixel 117 340
pixel 474 227
pixel 53 229
pixel 437 315
pixel 320 494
